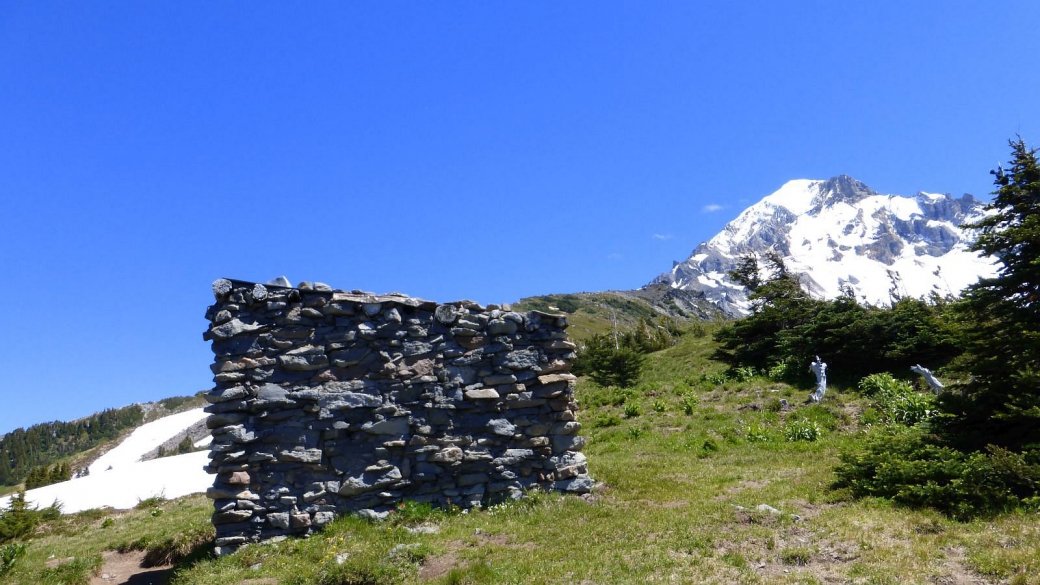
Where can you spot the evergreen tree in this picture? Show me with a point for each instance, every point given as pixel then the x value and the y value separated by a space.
pixel 32 480
pixel 1001 402
pixel 746 273
pixel 778 304
pixel 19 519
pixel 185 446
pixel 59 473
pixel 22 450
pixel 609 364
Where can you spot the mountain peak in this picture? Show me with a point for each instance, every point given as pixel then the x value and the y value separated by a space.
pixel 837 233
pixel 811 196
pixel 843 189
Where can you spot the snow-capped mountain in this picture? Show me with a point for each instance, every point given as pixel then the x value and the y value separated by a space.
pixel 840 232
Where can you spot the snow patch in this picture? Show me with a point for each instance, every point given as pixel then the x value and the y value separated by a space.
pixel 796 196
pixel 119 479
pixel 145 438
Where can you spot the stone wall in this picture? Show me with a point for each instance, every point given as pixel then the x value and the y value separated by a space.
pixel 328 402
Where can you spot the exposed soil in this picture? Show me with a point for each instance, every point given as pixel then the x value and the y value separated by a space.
pixel 956 573
pixel 437 567
pixel 120 568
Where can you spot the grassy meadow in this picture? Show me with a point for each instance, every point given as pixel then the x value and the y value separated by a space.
pixel 704 479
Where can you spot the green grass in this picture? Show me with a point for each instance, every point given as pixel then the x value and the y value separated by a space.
pixel 75 543
pixel 682 483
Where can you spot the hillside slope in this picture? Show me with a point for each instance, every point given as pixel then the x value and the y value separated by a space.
pixel 590 313
pixel 705 478
pixel 120 479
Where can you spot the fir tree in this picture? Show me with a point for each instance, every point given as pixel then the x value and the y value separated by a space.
pixel 1001 403
pixel 19 519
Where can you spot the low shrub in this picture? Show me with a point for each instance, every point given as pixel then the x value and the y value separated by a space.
pixel 896 400
pixel 912 468
pixel 778 372
pixel 826 416
pixel 798 556
pixel 707 448
pixel 744 374
pixel 9 554
pixel 19 519
pixel 875 384
pixel 774 405
pixel 756 434
pixel 152 502
pixel 609 396
pixel 802 430
pixel 409 512
pixel 689 403
pixel 717 378
pixel 605 419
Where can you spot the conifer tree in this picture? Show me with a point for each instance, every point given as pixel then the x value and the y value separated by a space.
pixel 1000 404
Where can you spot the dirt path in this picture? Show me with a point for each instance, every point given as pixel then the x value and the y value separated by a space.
pixel 125 568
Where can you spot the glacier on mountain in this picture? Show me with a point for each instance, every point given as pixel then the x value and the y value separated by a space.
pixel 840 233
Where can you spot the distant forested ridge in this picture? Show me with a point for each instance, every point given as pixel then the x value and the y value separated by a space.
pixel 22 450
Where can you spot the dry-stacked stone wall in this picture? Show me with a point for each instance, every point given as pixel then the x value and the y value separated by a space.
pixel 328 402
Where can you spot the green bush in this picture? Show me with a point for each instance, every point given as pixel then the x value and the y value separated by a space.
pixel 609 396
pixel 912 468
pixel 802 430
pixel 779 371
pixel 19 519
pixel 717 379
pixel 608 363
pixel 689 403
pixel 883 383
pixel 896 400
pixel 603 420
pixel 756 434
pixel 744 374
pixel 826 417
pixel 707 448
pixel 912 408
pixel 798 556
pixel 151 502
pixel 632 410
pixel 409 512
pixel 9 554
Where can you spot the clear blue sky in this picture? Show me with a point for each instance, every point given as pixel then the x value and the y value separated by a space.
pixel 482 150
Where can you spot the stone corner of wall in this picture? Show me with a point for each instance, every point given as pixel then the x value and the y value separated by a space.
pixel 329 402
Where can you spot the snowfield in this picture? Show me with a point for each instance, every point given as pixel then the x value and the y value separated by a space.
pixel 119 479
pixel 144 439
